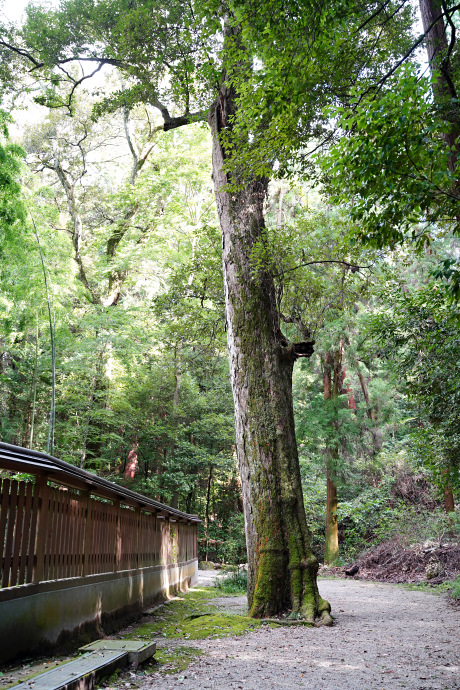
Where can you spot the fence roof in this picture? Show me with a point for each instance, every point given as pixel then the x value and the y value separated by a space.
pixel 36 463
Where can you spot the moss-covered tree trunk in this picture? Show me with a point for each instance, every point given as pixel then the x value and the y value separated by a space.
pixel 281 567
pixel 330 387
pixel 331 551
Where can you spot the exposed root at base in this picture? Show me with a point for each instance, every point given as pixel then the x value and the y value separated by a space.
pixel 326 619
pixel 279 621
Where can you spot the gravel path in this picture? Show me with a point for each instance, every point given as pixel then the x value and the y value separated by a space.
pixel 385 637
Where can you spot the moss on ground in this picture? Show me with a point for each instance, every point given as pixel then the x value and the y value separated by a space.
pixel 215 625
pixel 192 617
pixel 189 617
pixel 172 660
pixel 165 621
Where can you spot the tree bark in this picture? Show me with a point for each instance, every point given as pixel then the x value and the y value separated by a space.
pixel 438 51
pixel 281 567
pixel 331 375
pixel 207 515
pixel 449 499
pixel 449 504
pixel 331 551
pixel 377 440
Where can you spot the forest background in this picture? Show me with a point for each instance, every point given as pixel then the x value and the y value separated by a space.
pixel 112 279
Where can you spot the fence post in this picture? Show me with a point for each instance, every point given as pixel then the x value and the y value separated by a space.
pixel 88 534
pixel 117 536
pixel 42 529
pixel 138 535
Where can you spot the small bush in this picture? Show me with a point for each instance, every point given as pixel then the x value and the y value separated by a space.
pixel 455 592
pixel 235 583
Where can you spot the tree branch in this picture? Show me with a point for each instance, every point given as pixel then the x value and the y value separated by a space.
pixel 353 267
pixel 408 53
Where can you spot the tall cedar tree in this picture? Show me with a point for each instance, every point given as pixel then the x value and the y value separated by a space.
pixel 149 41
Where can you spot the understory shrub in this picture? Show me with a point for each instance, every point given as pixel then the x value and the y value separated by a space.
pixel 455 592
pixel 235 583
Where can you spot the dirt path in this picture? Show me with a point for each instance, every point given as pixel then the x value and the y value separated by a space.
pixel 385 637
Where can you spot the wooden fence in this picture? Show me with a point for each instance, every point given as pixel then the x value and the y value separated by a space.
pixel 82 525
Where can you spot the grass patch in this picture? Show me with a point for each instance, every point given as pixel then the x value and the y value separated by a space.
pixel 235 583
pixel 455 588
pixel 442 588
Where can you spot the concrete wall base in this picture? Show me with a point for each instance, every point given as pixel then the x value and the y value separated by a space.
pixel 40 618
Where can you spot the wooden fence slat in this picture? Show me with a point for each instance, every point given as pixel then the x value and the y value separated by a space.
pixel 41 570
pixel 117 563
pixel 4 508
pixel 60 544
pixel 16 549
pixel 82 533
pixel 53 532
pixel 77 544
pixel 88 534
pixel 9 533
pixel 68 534
pixel 52 535
pixel 60 549
pixel 25 533
pixel 32 550
pixel 97 545
pixel 74 544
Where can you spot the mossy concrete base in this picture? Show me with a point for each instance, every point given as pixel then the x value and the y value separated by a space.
pixel 40 618
pixel 80 674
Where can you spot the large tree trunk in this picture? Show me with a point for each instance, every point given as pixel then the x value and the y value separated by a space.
pixel 281 567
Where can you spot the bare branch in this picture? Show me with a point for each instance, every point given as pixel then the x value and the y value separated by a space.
pixel 353 267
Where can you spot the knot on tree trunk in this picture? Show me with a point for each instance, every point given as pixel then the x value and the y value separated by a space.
pixel 307 564
pixel 304 349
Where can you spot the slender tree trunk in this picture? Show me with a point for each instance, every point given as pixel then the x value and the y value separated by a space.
pixel 449 499
pixel 449 504
pixel 132 461
pixel 207 513
pixel 438 51
pixel 330 386
pixel 376 434
pixel 177 376
pixel 34 389
pixel 331 552
pixel 281 567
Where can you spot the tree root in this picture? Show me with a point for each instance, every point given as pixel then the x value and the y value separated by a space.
pixel 326 619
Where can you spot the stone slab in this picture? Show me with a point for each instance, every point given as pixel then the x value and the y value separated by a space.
pixel 137 651
pixel 80 674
